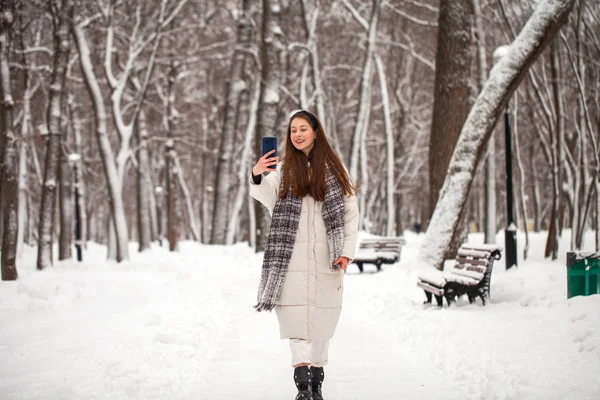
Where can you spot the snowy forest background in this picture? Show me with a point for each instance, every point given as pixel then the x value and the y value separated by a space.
pixel 155 109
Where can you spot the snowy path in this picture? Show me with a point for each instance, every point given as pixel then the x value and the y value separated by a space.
pixel 181 326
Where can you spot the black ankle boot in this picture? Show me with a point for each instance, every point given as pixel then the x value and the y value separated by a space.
pixel 318 376
pixel 302 378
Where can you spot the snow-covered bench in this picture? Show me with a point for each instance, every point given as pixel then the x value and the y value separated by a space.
pixel 470 275
pixel 378 251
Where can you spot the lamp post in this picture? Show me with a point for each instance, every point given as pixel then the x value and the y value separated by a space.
pixel 510 232
pixel 74 159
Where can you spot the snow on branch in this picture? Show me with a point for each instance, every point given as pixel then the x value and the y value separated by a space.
pixel 504 78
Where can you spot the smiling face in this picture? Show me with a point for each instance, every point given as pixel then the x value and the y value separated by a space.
pixel 302 134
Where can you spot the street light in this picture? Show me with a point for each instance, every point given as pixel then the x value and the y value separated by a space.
pixel 74 159
pixel 510 232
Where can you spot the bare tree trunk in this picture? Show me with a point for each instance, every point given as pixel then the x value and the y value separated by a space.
pixel 205 198
pixel 65 196
pixel 25 124
pixel 235 85
pixel 191 214
pixel 22 214
pixel 556 144
pixel 358 148
pixel 537 218
pixel 268 99
pixel 60 15
pixel 143 185
pixel 78 172
pixel 490 158
pixel 172 203
pixel 597 187
pixel 9 157
pixel 451 97
pixel 154 231
pixel 173 221
pixel 506 75
pixel 389 143
pixel 243 174
pixel 522 192
pixel 108 159
pixel 111 239
pixel 310 24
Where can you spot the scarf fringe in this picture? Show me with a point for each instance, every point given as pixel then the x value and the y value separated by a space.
pixel 264 306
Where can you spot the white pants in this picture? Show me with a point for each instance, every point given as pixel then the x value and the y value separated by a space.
pixel 312 352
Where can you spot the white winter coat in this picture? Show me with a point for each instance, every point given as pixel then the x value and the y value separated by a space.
pixel 311 299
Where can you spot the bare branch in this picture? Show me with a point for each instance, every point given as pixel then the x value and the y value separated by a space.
pixel 412 19
pixel 362 22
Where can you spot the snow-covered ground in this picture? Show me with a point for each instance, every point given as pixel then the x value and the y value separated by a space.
pixel 181 326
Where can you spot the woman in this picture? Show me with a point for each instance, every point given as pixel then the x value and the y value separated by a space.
pixel 312 239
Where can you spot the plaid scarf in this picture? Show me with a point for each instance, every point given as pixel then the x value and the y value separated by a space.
pixel 282 235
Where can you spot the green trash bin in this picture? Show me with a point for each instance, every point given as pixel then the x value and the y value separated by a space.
pixel 583 274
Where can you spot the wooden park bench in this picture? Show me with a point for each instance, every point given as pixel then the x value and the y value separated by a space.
pixel 470 275
pixel 378 251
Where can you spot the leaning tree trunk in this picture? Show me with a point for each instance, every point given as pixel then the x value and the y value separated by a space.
pixel 9 156
pixel 268 100
pixel 235 85
pixel 506 75
pixel 451 98
pixel 60 11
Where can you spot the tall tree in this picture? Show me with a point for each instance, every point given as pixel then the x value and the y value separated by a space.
pixel 60 10
pixel 9 157
pixel 451 97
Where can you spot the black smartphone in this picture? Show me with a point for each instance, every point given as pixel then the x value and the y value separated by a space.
pixel 269 143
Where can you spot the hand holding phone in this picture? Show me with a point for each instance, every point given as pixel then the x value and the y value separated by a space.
pixel 269 159
pixel 269 144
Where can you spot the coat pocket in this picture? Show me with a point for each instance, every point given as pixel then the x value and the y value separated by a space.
pixel 330 290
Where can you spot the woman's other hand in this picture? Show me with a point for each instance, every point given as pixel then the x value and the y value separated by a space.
pixel 264 163
pixel 343 261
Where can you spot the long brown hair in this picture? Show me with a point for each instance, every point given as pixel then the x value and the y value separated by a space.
pixel 296 170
